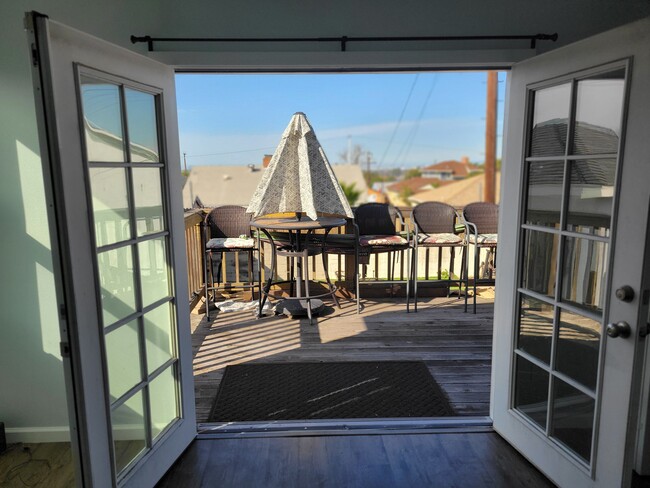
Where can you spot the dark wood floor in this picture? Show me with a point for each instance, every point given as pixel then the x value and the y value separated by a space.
pixel 423 460
pixel 456 346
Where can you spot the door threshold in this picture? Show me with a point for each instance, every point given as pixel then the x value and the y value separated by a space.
pixel 387 426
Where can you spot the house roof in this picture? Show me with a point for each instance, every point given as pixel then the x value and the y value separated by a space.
pixel 458 193
pixel 235 185
pixel 416 184
pixel 458 168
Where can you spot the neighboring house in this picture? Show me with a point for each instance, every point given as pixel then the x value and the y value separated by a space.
pixel 458 193
pixel 235 185
pixel 449 170
pixel 405 188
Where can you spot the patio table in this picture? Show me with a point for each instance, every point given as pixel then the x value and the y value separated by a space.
pixel 303 241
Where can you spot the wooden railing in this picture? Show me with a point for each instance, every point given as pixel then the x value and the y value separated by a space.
pixel 341 268
pixel 194 253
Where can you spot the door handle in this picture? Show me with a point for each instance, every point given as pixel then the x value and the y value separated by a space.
pixel 619 329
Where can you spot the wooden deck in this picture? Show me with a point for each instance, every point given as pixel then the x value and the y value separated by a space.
pixel 456 346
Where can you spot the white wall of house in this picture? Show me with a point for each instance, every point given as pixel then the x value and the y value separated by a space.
pixel 32 398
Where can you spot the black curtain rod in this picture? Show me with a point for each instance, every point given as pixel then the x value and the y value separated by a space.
pixel 344 39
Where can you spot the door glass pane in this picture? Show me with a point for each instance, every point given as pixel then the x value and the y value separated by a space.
pixel 540 260
pixel 159 333
pixel 116 281
pixel 573 418
pixel 550 118
pixel 531 391
pixel 162 394
pixel 102 119
pixel 110 205
pixel 147 194
pixel 584 274
pixel 535 328
pixel 599 109
pixel 591 194
pixel 545 181
pixel 154 270
pixel 123 358
pixel 578 346
pixel 143 128
pixel 128 431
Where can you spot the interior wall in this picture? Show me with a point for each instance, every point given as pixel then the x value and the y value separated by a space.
pixel 32 391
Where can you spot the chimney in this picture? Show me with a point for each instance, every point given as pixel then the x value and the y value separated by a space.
pixel 465 160
pixel 266 160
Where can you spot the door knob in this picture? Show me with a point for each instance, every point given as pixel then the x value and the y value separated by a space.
pixel 625 293
pixel 619 329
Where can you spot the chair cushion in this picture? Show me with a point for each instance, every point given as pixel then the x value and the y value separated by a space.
pixel 382 241
pixel 230 243
pixel 484 239
pixel 443 238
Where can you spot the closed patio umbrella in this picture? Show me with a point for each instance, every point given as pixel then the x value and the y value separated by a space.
pixel 299 178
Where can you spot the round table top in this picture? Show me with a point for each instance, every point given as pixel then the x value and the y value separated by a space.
pixel 291 223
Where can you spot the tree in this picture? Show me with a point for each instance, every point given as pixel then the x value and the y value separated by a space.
pixel 412 173
pixel 355 155
pixel 351 192
pixel 404 195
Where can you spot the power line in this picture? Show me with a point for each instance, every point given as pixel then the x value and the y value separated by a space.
pixel 399 121
pixel 408 142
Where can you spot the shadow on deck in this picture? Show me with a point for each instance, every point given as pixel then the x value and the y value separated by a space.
pixel 456 346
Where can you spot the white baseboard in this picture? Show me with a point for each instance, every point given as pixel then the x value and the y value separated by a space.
pixel 37 434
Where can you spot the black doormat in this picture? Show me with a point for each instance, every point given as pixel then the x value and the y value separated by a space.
pixel 305 391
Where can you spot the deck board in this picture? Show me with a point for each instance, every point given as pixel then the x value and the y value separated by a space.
pixel 456 346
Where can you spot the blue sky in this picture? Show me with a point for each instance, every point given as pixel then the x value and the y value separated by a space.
pixel 404 119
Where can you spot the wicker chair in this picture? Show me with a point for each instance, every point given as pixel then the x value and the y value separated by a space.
pixel 435 227
pixel 378 234
pixel 224 227
pixel 482 220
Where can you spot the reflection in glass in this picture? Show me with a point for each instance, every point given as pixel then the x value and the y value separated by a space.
pixel 102 120
pixel 154 271
pixel 539 264
pixel 585 272
pixel 531 391
pixel 550 116
pixel 599 109
pixel 591 195
pixel 158 333
pixel 535 328
pixel 577 348
pixel 123 359
pixel 110 205
pixel 573 418
pixel 128 431
pixel 545 181
pixel 162 395
pixel 143 129
pixel 116 281
pixel 147 194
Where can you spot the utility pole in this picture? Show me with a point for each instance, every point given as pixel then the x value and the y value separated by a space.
pixel 185 162
pixel 369 161
pixel 491 137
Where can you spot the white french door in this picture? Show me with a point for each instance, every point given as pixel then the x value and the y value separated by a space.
pixel 574 214
pixel 109 136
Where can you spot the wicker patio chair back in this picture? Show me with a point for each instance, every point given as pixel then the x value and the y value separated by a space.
pixel 376 219
pixel 228 221
pixel 435 218
pixel 484 215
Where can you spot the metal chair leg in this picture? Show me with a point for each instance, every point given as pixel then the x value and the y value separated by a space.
pixel 327 278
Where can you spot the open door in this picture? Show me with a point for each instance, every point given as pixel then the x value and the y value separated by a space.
pixel 110 149
pixel 569 313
